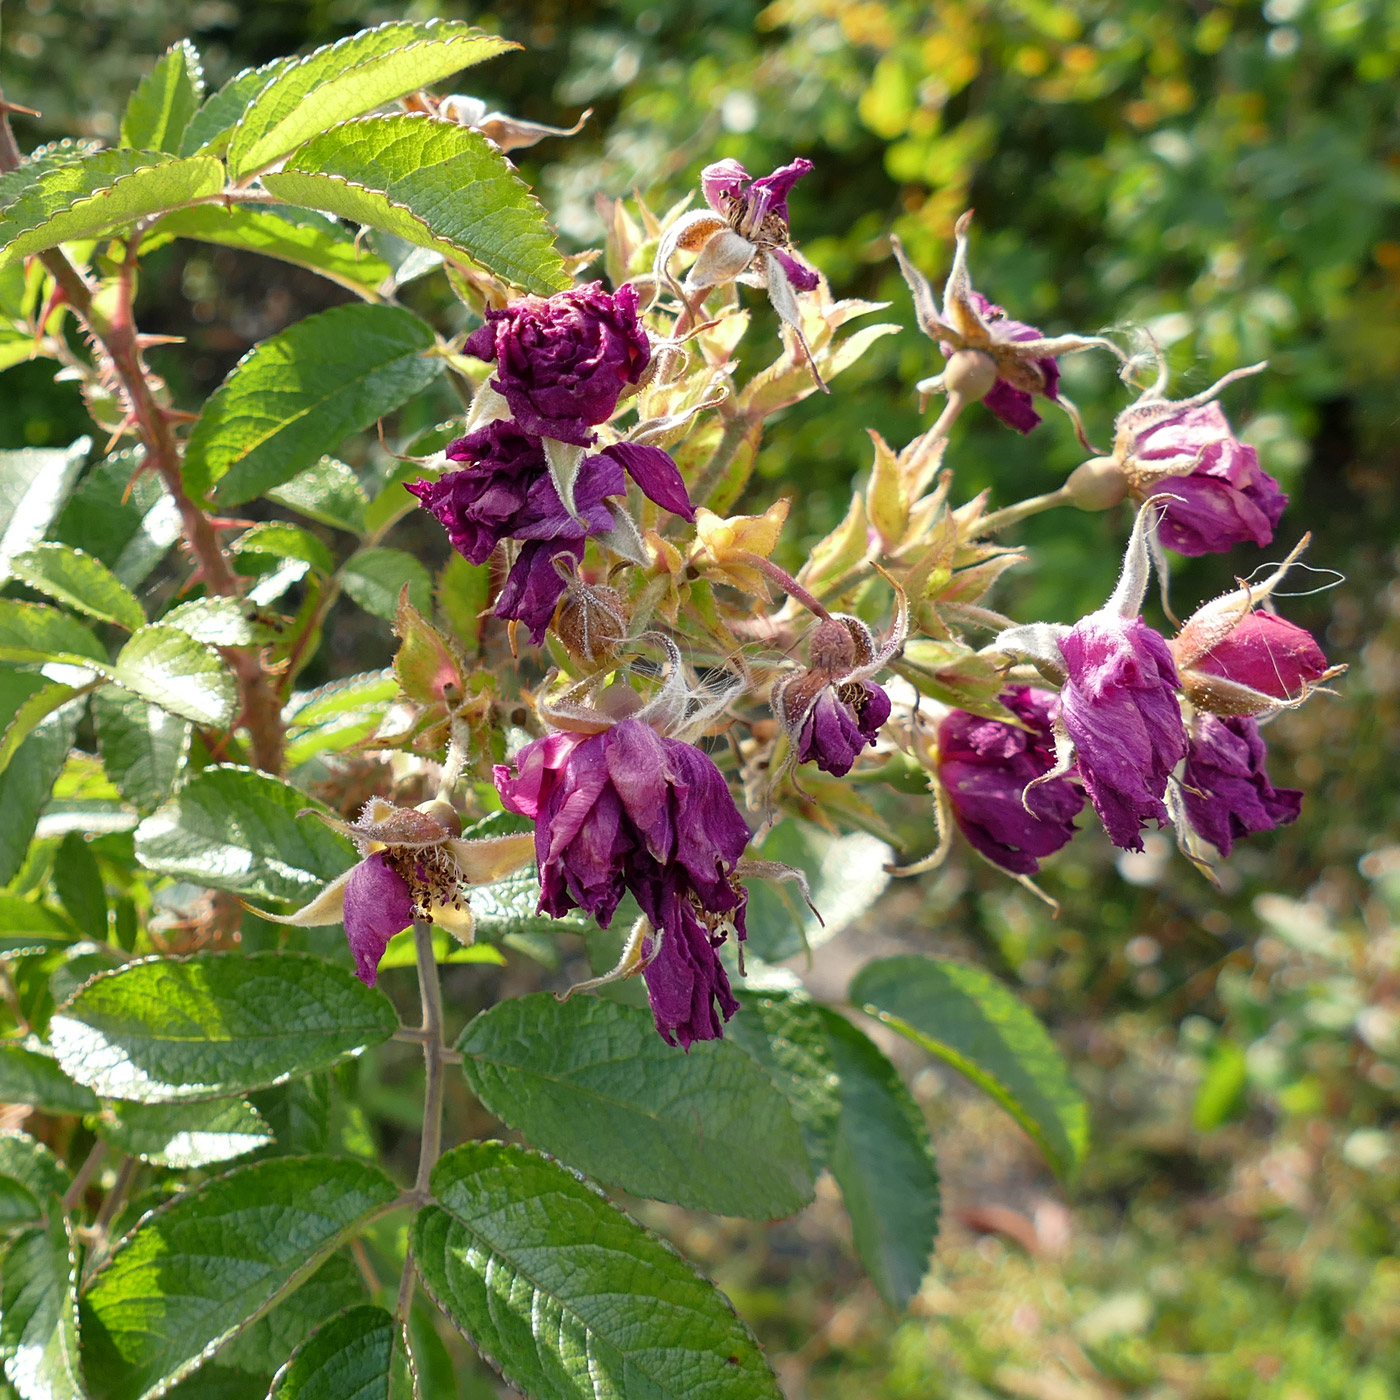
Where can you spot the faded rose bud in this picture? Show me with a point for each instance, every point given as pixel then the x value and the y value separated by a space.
pixel 1226 792
pixel 1264 654
pixel 627 810
pixel 986 766
pixel 562 361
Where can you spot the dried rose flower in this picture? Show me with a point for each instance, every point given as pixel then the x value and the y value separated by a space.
pixel 991 358
pixel 986 766
pixel 628 810
pixel 414 865
pixel 563 361
pixel 1225 790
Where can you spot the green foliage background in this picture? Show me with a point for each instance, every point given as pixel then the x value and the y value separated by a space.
pixel 1229 177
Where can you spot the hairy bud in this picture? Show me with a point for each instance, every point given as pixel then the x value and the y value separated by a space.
pixel 591 621
pixel 970 374
pixel 1097 484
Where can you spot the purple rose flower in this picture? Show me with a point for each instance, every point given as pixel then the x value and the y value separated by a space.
pixel 1227 793
pixel 1014 406
pixel 562 361
pixel 1119 707
pixel 1218 494
pixel 627 810
pixel 414 864
pixel 986 765
pixel 842 721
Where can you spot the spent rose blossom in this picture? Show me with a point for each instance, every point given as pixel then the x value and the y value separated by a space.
pixel 563 361
pixel 628 810
pixel 414 865
pixel 832 710
pixel 744 237
pixel 1225 790
pixel 1118 720
pixel 986 765
pixel 1002 362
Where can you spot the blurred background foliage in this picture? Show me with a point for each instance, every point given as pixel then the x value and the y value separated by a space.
pixel 1226 175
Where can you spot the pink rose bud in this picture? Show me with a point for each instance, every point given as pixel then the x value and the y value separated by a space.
pixel 1268 654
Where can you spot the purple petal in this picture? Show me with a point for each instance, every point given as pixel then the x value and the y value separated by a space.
pixel 769 194
pixel 1013 406
pixel 1228 794
pixel 724 177
pixel 802 277
pixel 378 904
pixel 658 476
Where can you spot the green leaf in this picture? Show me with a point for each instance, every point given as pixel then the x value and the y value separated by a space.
pixel 185 1135
pixel 29 1162
pixel 18 1206
pixel 161 107
pixel 510 907
pixel 883 1164
pixel 296 236
pixel 375 577
pixel 338 715
pixel 102 193
pixel 198 1270
pixel 966 1017
pixel 592 1082
pixel 567 1296
pixel 846 875
pixel 401 952
pixel 463 596
pixel 143 747
pixel 214 1024
pixel 47 697
pixel 285 541
pixel 393 502
pixel 356 1356
pixel 238 830
pixel 432 183
pixel 39 1314
pixel 34 483
pixel 349 78
pixel 29 1077
pixel 37 632
pixel 212 126
pixel 127 521
pixel 783 1032
pixel 80 582
pixel 334 1287
pixel 219 622
pixel 78 883
pixel 28 779
pixel 299 394
pixel 329 493
pixel 169 668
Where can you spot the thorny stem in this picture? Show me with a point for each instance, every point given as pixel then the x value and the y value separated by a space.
pixel 117 337
pixel 1010 515
pixel 782 578
pixel 435 1055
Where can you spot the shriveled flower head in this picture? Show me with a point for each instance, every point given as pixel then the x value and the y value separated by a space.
pixel 1225 790
pixel 626 810
pixel 1236 659
pixel 511 490
pixel 562 361
pixel 986 767
pixel 832 710
pixel 414 865
pixel 744 237
pixel 1118 719
pixel 1001 362
pixel 1217 494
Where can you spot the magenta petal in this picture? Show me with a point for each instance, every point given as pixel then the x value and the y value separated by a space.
pixel 1227 792
pixel 1013 406
pixel 1267 653
pixel 658 476
pixel 378 904
pixel 802 277
pixel 724 177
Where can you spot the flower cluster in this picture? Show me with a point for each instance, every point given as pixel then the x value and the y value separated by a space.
pixel 562 363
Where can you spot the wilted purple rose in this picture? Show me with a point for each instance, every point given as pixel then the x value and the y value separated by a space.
pixel 985 766
pixel 562 361
pixel 1227 793
pixel 843 720
pixel 378 904
pixel 1267 654
pixel 757 211
pixel 1119 707
pixel 1015 407
pixel 1217 494
pixel 627 810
